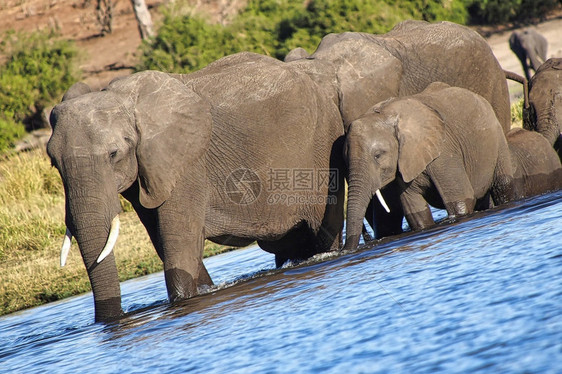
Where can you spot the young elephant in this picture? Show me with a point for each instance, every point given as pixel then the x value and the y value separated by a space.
pixel 537 168
pixel 443 146
pixel 545 102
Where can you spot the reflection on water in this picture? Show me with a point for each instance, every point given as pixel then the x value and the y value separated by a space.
pixel 483 294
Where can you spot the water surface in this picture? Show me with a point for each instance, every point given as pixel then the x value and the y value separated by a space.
pixel 481 295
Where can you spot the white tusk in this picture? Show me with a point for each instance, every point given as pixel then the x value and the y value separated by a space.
pixel 111 239
pixel 381 200
pixel 65 247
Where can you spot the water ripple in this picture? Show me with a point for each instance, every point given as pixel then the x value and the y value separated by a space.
pixel 480 295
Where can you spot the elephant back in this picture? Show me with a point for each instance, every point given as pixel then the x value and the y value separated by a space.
pixel 450 53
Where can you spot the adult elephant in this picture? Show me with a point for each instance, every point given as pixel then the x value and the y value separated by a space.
pixel 363 69
pixel 545 103
pixel 443 146
pixel 216 155
pixel 530 48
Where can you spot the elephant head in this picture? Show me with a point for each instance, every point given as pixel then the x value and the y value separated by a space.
pixel 118 139
pixel 545 101
pixel 388 141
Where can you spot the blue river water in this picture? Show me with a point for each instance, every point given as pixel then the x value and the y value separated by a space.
pixel 480 295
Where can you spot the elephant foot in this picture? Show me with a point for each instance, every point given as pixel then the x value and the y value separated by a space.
pixel 204 281
pixel 460 208
pixel 180 284
pixel 280 261
pixel 108 310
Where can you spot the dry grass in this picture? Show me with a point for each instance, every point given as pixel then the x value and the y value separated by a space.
pixel 31 232
pixel 517 114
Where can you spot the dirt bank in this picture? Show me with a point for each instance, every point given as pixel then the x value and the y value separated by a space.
pixel 112 55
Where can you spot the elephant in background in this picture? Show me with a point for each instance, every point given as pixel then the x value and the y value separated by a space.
pixel 537 167
pixel 363 69
pixel 530 48
pixel 443 146
pixel 197 157
pixel 545 103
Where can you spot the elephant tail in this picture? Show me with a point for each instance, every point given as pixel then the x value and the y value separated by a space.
pixel 518 78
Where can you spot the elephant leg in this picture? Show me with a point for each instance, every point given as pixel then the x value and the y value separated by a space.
pixel 296 245
pixel 329 236
pixel 484 202
pixel 183 253
pixel 181 237
pixel 504 188
pixel 171 231
pixel 416 210
pixel 453 185
pixel 148 217
pixel 383 223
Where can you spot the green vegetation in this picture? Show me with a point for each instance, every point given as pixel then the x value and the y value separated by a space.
pixel 39 68
pixel 502 11
pixel 517 114
pixel 274 27
pixel 186 43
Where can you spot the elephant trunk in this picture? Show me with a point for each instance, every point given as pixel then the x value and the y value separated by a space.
pixel 360 192
pixel 92 218
pixel 547 124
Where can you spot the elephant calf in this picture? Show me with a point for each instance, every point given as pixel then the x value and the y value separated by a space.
pixel 443 146
pixel 545 101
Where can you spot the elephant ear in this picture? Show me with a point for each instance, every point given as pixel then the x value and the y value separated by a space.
pixel 420 133
pixel 174 126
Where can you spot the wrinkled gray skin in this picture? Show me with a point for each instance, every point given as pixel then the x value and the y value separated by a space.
pixel 530 48
pixel 174 147
pixel 537 167
pixel 443 146
pixel 545 102
pixel 363 69
pixel 296 54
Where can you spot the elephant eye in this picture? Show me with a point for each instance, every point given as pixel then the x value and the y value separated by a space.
pixel 112 155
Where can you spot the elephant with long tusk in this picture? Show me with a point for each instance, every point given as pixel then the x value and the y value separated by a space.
pixel 199 156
